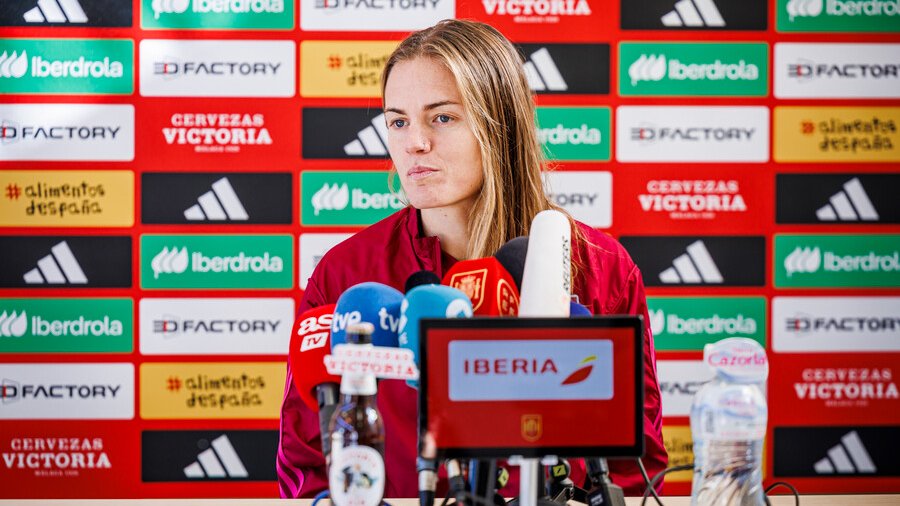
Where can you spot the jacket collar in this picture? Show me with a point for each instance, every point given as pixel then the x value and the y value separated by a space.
pixel 427 249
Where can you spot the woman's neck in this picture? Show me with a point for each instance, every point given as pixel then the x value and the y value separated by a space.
pixel 450 226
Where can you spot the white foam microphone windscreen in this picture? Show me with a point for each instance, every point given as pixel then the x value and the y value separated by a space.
pixel 546 279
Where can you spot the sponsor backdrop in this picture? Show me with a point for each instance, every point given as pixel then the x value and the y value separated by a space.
pixel 171 171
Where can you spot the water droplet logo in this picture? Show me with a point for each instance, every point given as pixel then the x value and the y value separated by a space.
pixel 12 65
pixel 803 260
pixel 582 373
pixel 12 325
pixel 169 7
pixel 647 68
pixel 657 321
pixel 804 8
pixel 169 261
pixel 331 198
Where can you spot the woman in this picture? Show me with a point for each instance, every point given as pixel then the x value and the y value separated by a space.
pixel 462 137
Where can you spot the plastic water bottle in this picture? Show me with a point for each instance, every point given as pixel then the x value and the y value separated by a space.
pixel 728 424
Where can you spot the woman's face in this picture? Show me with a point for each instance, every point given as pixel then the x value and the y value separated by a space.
pixel 429 136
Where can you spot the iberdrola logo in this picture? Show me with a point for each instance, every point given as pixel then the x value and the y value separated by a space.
pixel 584 370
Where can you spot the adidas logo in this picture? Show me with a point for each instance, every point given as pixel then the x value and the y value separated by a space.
pixel 222 203
pixel 804 8
pixel 803 260
pixel 169 261
pixel 694 13
pixel 56 11
pixel 220 461
pixel 13 325
pixel 59 267
pixel 371 140
pixel 695 266
pixel 850 204
pixel 331 198
pixel 13 65
pixel 847 457
pixel 542 72
pixel 647 68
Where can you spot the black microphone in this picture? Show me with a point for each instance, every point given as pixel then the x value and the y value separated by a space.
pixel 560 488
pixel 512 257
pixel 603 491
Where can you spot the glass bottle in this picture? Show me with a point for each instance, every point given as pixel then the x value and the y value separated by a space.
pixel 356 476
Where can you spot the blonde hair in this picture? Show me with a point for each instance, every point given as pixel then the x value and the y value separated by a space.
pixel 497 99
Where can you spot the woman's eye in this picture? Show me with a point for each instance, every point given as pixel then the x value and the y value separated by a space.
pixel 398 123
pixel 443 118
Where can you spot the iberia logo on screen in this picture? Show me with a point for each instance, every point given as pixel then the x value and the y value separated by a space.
pixel 531 370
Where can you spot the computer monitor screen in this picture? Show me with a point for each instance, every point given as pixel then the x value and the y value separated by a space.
pixel 495 387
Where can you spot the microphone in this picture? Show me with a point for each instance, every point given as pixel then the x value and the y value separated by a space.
pixel 560 488
pixel 488 285
pixel 371 302
pixel 546 278
pixel 512 257
pixel 309 345
pixel 577 310
pixel 429 301
pixel 546 291
pixel 425 299
pixel 603 491
pixel 420 278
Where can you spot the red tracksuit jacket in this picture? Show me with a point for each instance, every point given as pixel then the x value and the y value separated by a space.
pixel 388 252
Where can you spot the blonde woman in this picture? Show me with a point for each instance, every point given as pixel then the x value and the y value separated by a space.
pixel 463 141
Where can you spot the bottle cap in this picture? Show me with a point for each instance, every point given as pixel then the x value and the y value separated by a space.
pixel 364 328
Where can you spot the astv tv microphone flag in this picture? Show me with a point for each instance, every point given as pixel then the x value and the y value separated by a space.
pixel 310 342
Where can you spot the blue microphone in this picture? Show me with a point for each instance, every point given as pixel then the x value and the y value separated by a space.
pixel 578 310
pixel 429 301
pixel 371 302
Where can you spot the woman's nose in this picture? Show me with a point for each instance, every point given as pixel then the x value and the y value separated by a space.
pixel 418 141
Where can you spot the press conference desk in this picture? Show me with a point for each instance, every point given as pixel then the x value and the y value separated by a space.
pixel 807 500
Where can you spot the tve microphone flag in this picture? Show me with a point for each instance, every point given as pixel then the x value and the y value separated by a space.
pixel 371 302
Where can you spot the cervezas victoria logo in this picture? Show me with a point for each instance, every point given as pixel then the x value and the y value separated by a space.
pixel 537 11
pixel 217 132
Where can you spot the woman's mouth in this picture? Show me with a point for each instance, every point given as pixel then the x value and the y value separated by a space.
pixel 418 172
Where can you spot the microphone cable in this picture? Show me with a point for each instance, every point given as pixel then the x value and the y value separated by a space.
pixel 651 484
